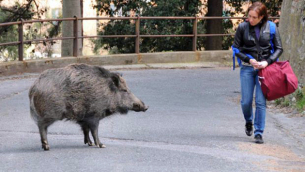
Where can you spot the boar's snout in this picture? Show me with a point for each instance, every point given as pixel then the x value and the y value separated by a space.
pixel 139 107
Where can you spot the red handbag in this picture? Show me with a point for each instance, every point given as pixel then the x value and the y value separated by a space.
pixel 277 80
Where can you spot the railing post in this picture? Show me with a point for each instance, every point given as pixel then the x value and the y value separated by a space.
pixel 137 46
pixel 195 34
pixel 75 40
pixel 20 45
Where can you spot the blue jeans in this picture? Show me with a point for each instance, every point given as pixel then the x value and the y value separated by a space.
pixel 249 81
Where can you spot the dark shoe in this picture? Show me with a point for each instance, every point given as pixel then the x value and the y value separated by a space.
pixel 249 128
pixel 259 139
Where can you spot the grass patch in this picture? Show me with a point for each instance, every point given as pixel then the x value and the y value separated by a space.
pixel 301 104
pixel 295 100
pixel 300 99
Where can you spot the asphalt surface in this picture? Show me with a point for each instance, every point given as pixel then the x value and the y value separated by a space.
pixel 194 123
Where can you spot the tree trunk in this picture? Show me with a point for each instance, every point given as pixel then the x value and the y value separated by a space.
pixel 70 9
pixel 214 26
pixel 292 29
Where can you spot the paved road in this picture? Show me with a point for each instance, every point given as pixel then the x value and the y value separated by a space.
pixel 194 124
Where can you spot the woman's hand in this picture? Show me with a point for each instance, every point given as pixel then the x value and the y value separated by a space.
pixel 258 65
pixel 263 64
pixel 254 63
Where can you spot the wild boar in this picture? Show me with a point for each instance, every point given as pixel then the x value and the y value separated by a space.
pixel 81 93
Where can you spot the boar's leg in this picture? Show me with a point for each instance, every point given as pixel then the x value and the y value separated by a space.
pixel 86 130
pixel 43 129
pixel 94 131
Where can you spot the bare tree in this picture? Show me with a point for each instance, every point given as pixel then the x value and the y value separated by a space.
pixel 292 31
pixel 214 26
pixel 70 9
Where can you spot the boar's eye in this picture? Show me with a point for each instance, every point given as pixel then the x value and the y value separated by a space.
pixel 124 90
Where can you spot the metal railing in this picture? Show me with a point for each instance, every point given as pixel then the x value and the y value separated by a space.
pixel 137 35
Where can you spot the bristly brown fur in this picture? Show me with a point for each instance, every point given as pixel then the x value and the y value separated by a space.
pixel 81 93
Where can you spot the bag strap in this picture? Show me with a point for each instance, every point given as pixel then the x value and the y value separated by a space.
pixel 236 51
pixel 272 33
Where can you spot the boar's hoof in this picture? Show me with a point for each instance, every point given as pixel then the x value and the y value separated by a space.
pixel 101 145
pixel 46 147
pixel 89 143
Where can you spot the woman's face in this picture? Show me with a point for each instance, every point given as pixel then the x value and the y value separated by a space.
pixel 253 18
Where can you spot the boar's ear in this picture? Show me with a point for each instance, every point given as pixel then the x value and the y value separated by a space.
pixel 101 71
pixel 119 74
pixel 115 78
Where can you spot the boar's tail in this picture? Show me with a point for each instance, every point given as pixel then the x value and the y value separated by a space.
pixel 33 111
pixel 34 114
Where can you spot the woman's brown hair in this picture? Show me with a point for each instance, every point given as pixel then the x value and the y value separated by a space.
pixel 261 10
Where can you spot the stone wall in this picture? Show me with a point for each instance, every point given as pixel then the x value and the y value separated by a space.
pixel 223 58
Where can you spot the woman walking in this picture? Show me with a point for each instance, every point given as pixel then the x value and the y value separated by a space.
pixel 256 49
